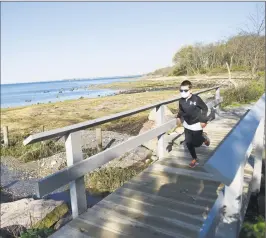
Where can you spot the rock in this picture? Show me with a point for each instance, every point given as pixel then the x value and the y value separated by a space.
pixel 142 152
pixel 148 161
pixel 32 213
pixel 12 231
pixel 148 125
pixel 62 222
pixel 167 113
pixel 154 157
pixel 152 144
pixel 53 163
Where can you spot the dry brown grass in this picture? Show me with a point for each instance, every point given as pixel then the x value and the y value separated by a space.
pixel 55 115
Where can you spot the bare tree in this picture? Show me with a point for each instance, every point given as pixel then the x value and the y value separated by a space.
pixel 254 33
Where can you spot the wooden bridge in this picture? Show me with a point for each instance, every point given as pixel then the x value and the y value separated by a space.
pixel 168 199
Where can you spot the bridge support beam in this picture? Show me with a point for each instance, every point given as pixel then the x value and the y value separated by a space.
pixel 73 144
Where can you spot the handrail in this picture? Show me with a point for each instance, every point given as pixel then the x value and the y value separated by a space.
pixel 227 164
pixel 78 167
pixel 60 132
pixel 75 171
pixel 226 160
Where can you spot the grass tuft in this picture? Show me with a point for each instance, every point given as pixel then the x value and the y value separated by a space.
pixel 30 152
pixel 107 180
pixel 40 233
pixel 253 230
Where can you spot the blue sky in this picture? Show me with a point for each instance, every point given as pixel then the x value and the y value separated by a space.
pixel 44 41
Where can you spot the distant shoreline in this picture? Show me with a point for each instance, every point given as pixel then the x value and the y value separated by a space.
pixel 77 79
pixel 25 94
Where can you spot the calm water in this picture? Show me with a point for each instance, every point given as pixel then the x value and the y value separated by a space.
pixel 22 94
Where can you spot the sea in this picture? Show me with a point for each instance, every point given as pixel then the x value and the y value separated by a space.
pixel 23 94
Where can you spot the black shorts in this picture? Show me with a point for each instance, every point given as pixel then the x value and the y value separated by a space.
pixel 194 138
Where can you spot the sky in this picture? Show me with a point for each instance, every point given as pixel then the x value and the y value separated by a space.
pixel 43 41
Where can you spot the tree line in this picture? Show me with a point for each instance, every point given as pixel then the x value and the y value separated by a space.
pixel 240 52
pixel 244 51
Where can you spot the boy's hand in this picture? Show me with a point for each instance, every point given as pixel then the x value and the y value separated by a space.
pixel 178 122
pixel 203 125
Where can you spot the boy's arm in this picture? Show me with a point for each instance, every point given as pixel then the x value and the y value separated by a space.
pixel 180 115
pixel 204 109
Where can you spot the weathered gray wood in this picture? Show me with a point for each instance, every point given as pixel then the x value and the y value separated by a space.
pixel 228 211
pixel 230 155
pixel 161 148
pixel 192 173
pixel 196 188
pixel 258 153
pixel 77 187
pixel 196 209
pixel 65 176
pixel 153 209
pixel 6 138
pixel 233 202
pixel 215 103
pixel 136 224
pixel 218 98
pixel 98 228
pixel 68 231
pixel 99 139
pixel 60 132
pixel 153 216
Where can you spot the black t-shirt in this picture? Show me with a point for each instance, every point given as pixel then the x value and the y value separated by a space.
pixel 192 110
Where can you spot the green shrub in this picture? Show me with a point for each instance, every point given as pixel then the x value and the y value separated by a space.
pixel 178 72
pixel 244 93
pixel 203 71
pixel 31 152
pixel 239 68
pixel 217 70
pixel 37 233
pixel 261 74
pixel 253 230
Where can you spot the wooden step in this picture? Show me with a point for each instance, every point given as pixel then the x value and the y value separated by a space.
pixel 131 224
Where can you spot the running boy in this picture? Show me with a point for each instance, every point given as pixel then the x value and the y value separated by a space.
pixel 193 115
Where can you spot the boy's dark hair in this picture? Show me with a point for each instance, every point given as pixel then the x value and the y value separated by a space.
pixel 186 83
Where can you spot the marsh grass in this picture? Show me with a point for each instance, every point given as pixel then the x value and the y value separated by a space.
pixel 30 152
pixel 107 180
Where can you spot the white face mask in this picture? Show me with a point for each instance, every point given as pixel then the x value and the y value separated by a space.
pixel 185 94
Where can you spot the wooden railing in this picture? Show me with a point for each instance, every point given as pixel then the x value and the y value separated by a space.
pixel 227 166
pixel 78 167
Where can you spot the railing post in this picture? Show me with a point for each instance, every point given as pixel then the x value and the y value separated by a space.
pixel 161 149
pixel 99 139
pixel 232 204
pixel 74 154
pixel 233 201
pixel 217 97
pixel 6 139
pixel 258 145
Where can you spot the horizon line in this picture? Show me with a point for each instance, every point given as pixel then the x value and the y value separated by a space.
pixel 89 78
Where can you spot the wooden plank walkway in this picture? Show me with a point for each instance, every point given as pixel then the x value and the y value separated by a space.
pixel 166 200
